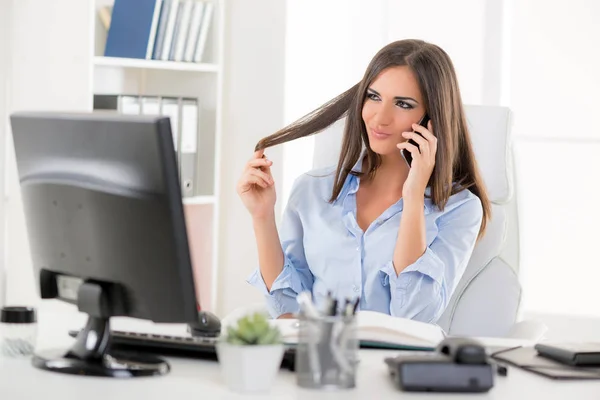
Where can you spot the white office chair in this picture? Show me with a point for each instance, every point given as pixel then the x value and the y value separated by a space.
pixel 487 298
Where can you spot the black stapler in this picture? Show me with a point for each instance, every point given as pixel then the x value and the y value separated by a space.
pixel 457 365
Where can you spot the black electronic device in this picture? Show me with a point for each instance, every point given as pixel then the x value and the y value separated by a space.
pixel 197 347
pixel 106 228
pixel 407 156
pixel 574 354
pixel 458 365
pixel 207 325
pixel 463 350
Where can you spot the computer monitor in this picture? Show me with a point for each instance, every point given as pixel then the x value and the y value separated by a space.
pixel 106 227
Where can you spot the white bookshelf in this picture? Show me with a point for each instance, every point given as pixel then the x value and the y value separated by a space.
pixel 101 61
pixel 199 200
pixel 202 81
pixel 74 69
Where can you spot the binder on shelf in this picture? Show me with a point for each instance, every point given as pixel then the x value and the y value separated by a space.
pixel 117 103
pixel 184 29
pixel 150 105
pixel 203 34
pixel 104 15
pixel 107 102
pixel 165 45
pixel 195 24
pixel 133 28
pixel 130 105
pixel 163 19
pixel 167 30
pixel 170 108
pixel 184 116
pixel 176 30
pixel 189 146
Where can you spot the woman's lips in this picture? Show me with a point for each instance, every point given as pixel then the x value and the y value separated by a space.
pixel 380 135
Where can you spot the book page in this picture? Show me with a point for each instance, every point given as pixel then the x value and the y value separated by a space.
pixel 378 328
pixel 403 331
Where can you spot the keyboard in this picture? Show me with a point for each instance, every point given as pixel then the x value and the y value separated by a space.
pixel 177 346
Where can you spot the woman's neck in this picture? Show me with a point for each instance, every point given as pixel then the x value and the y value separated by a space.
pixel 390 176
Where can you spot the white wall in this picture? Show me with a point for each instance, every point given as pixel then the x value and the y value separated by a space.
pixel 553 91
pixel 5 52
pixel 344 35
pixel 323 61
pixel 253 108
pixel 37 74
pixel 458 27
pixel 568 327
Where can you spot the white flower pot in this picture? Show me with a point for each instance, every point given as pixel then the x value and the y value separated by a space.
pixel 249 369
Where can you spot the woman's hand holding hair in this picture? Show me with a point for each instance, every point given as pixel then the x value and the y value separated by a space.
pixel 256 187
pixel 423 160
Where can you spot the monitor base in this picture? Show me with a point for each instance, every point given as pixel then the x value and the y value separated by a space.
pixel 110 365
pixel 91 355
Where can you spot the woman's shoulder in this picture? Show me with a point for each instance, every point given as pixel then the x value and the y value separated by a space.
pixel 318 181
pixel 317 176
pixel 463 196
pixel 464 201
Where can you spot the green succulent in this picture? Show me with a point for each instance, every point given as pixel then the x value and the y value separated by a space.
pixel 253 329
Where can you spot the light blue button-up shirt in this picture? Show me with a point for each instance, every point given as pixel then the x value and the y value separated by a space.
pixel 325 250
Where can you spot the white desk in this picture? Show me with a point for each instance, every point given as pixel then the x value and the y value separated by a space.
pixel 196 379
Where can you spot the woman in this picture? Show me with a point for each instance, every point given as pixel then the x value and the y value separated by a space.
pixel 397 236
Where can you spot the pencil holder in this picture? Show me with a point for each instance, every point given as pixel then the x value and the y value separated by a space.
pixel 327 352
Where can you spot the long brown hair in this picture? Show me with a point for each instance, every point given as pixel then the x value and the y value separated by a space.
pixel 455 165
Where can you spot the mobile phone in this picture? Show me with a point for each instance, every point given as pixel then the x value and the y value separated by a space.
pixel 407 156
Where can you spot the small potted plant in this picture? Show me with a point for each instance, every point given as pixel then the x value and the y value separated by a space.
pixel 250 354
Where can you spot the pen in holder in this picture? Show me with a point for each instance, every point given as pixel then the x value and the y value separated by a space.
pixel 327 352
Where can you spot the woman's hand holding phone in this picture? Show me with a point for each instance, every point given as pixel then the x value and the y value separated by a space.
pixel 423 159
pixel 256 187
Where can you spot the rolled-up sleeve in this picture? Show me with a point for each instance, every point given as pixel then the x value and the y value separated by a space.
pixel 423 289
pixel 295 276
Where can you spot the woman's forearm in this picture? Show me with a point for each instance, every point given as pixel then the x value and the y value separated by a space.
pixel 270 253
pixel 412 239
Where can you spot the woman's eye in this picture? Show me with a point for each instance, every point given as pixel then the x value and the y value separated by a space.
pixel 404 105
pixel 372 96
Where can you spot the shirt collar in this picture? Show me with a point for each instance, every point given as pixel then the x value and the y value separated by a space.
pixel 353 182
pixel 358 165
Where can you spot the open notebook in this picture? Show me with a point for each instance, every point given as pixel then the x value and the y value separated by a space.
pixel 378 330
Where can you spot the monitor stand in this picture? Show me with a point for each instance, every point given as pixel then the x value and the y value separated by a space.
pixel 91 355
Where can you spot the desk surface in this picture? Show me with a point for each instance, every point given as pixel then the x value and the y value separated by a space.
pixel 191 379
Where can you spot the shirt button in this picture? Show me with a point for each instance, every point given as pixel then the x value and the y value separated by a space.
pixel 358 249
pixel 355 288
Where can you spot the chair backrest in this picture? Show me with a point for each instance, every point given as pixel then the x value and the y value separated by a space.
pixel 487 298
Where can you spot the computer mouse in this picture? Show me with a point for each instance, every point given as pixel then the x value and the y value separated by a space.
pixel 208 325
